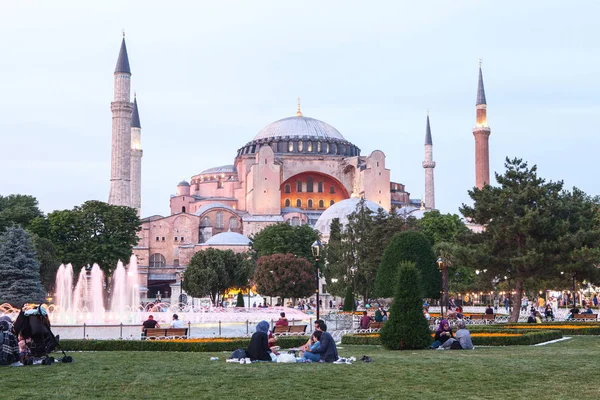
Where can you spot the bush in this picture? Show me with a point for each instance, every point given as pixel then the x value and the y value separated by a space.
pixel 566 327
pixel 528 337
pixel 223 344
pixel 349 303
pixel 408 246
pixel 240 300
pixel 407 327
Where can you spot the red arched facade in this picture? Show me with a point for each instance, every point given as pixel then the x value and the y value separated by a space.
pixel 312 191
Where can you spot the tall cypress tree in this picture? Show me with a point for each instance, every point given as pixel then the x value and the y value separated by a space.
pixel 407 328
pixel 19 270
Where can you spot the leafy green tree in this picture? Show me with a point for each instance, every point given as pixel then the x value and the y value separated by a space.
pixel 285 275
pixel 349 301
pixel 439 227
pixel 407 328
pixel 334 269
pixel 240 300
pixel 95 232
pixel 408 246
pixel 211 272
pixel 19 210
pixel 284 238
pixel 532 229
pixel 19 269
pixel 46 256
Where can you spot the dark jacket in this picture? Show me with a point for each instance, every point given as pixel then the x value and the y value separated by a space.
pixel 328 351
pixel 442 339
pixel 258 349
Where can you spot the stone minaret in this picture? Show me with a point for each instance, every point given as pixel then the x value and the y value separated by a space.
pixel 121 107
pixel 482 135
pixel 429 165
pixel 136 159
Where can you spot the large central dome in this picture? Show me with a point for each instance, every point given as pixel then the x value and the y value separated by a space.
pixel 299 126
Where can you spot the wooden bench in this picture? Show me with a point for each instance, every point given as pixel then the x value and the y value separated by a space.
pixel 297 329
pixel 376 325
pixel 591 317
pixel 477 317
pixel 165 332
pixel 279 330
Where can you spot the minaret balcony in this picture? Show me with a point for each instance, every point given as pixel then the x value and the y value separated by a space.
pixel 428 164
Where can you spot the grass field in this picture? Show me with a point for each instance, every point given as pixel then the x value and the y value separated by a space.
pixel 564 370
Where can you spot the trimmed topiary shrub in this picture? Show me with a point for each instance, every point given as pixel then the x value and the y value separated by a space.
pixel 240 300
pixel 408 246
pixel 190 345
pixel 407 327
pixel 349 303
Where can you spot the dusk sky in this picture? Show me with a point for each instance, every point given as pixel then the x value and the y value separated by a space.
pixel 210 75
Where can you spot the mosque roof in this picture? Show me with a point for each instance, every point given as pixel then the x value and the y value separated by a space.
pixel 341 210
pixel 428 132
pixel 480 89
pixel 222 168
pixel 299 126
pixel 227 239
pixel 183 183
pixel 123 60
pixel 210 206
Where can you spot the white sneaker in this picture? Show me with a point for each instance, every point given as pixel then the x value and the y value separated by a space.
pixel 242 361
pixel 352 359
pixel 348 361
pixel 233 360
pixel 340 361
pixel 248 361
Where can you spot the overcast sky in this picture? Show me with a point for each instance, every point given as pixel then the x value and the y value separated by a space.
pixel 210 75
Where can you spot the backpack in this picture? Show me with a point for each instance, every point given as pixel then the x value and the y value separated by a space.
pixel 9 348
pixel 239 354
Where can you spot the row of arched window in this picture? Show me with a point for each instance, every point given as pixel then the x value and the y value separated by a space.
pixel 157 260
pixel 219 223
pixel 309 203
pixel 308 146
pixel 310 187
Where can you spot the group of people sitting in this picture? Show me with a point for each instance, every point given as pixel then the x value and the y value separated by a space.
pixel 446 339
pixel 319 348
pixel 151 323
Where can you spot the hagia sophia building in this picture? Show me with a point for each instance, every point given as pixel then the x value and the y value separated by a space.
pixel 297 170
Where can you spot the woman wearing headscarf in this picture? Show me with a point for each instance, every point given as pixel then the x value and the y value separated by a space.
pixel 442 334
pixel 258 349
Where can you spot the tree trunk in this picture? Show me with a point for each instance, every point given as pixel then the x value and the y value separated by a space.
pixel 514 315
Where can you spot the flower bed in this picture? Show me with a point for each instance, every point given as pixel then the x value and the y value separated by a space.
pixel 186 345
pixel 507 337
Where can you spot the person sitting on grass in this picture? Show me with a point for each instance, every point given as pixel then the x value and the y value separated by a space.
pixel 258 349
pixel 316 345
pixel 462 341
pixel 306 346
pixel 442 334
pixel 327 350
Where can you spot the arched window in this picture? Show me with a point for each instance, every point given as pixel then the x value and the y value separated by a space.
pixel 309 147
pixel 299 187
pixel 300 146
pixel 320 187
pixel 295 221
pixel 331 189
pixel 288 188
pixel 310 203
pixel 318 147
pixel 290 147
pixel 205 222
pixel 299 203
pixel 220 223
pixel 157 260
pixel 233 223
pixel 334 148
pixel 327 148
pixel 287 203
pixel 331 202
pixel 183 209
pixel 321 204
pixel 309 184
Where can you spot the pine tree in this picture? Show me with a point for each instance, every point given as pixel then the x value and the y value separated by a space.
pixel 240 299
pixel 408 246
pixel 19 270
pixel 407 328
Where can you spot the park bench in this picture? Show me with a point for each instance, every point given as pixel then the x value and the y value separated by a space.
pixel 477 317
pixel 165 332
pixel 586 317
pixel 375 325
pixel 291 329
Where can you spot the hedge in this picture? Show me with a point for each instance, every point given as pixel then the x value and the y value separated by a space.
pixel 222 344
pixel 528 337
pixel 566 327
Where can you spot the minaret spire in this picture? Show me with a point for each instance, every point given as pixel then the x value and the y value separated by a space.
pixel 121 107
pixel 482 134
pixel 429 165
pixel 136 158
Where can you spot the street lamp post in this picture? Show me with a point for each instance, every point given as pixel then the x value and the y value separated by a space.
pixel 353 270
pixel 441 266
pixel 316 252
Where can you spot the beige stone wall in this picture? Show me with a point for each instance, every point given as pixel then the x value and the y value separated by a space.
pixel 375 180
pixel 264 194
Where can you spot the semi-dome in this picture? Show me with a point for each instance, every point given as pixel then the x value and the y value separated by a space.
pixel 299 126
pixel 341 210
pixel 227 239
pixel 183 183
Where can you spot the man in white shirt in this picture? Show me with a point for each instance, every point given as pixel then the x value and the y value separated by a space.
pixel 176 323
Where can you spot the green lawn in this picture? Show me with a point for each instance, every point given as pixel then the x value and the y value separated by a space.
pixel 564 370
